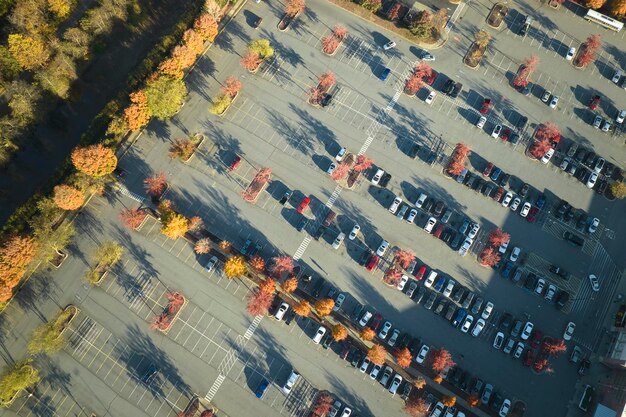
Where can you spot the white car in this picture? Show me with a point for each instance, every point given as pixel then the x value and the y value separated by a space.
pixel 597 121
pixel 525 209
pixel 591 182
pixel 347 412
pixel 467 323
pixel 365 318
pixel 293 378
pixel 389 45
pixel 430 97
pixel 467 243
pixel 382 248
pixel 554 102
pixel 339 240
pixel 504 409
pixel 374 372
pixel 478 327
pixel 395 205
pixel 395 384
pixel 321 331
pixel 394 337
pixel 569 331
pixel 487 311
pixel 420 201
pixel 515 254
pixel 508 197
pixel 421 355
pixel 402 282
pixel 430 224
pixel 570 53
pixel 620 117
pixel 331 168
pixel 606 126
pixel 528 329
pixel 498 340
pixel 617 76
pixel 481 122
pixel 515 203
pixel 377 176
pixel 495 133
pixel 384 331
pixel 211 264
pixel 546 158
pixel 541 284
pixel 364 365
pixel 354 232
pixel 503 247
pixel 594 225
pixel 595 283
pixel 339 301
pixel 340 154
pixel 412 215
pixel 430 280
pixel 473 231
pixel 282 309
pixel 447 292
pixel 518 350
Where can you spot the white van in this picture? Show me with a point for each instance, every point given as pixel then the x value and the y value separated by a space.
pixel 290 382
pixel 282 309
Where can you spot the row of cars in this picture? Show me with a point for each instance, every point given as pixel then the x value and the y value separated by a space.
pixel 578 218
pixel 589 168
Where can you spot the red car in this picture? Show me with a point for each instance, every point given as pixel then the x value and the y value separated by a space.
pixel 420 273
pixel 532 214
pixel 506 133
pixel 486 106
pixel 439 230
pixel 488 169
pixel 529 357
pixel 233 165
pixel 431 79
pixel 498 194
pixel 304 204
pixel 595 101
pixel 536 339
pixel 375 322
pixel 371 264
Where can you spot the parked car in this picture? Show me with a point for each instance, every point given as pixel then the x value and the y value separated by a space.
pixel 495 133
pixel 431 96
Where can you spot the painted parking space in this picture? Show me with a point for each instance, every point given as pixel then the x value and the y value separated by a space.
pixel 48 400
pixel 122 367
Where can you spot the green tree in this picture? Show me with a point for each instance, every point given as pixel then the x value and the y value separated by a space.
pixel 165 96
pixel 109 253
pixel 57 77
pixel 47 338
pixel 22 100
pixel 9 67
pixel 262 48
pixel 19 377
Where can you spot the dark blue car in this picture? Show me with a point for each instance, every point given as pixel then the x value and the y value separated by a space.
pixel 441 281
pixel 541 201
pixel 260 391
pixel 385 74
pixel 506 271
pixel 459 316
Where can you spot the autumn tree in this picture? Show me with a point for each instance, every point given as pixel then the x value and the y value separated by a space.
pixel 367 334
pixel 294 7
pixel 473 400
pixel 540 147
pixel 617 8
pixel 324 306
pixel 282 265
pixel 173 225
pixel 251 61
pixel 339 332
pixel 489 256
pixel 548 131
pixel 196 224
pixel 29 51
pixel 440 19
pixel 47 338
pixel 404 257
pixel 618 189
pixel 377 354
pixel 448 400
pixel 363 163
pixel 182 148
pixel 165 96
pixel 68 197
pixel 554 347
pixel 231 87
pixel 440 359
pixel 594 4
pixel 16 253
pixel 522 78
pixel 203 246
pixel 262 48
pixel 498 237
pixel 206 26
pixel 156 185
pixel 268 285
pixel 456 164
pixel 588 50
pixel 194 41
pixel 420 382
pixel 137 115
pixel 225 246
pixel 416 78
pixel 322 404
pixel 94 160
pixel 326 80
pixel 330 44
pixel 403 357
pixel 392 276
pixel 290 285
pixel 132 217
pixel 438 379
pixel 259 302
pixel 482 38
pixel 341 171
pixel 416 406
pixel 302 308
pixel 394 12
pixel 257 263
pixel 235 266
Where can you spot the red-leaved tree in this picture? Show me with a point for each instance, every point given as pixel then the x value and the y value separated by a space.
pixel 549 131
pixel 403 357
pixel 522 78
pixel 416 78
pixel 377 354
pixel 554 347
pixel 231 86
pixel 457 161
pixel 155 185
pixel 362 163
pixel 392 276
pixel 416 406
pixel 498 237
pixel 326 80
pixel 404 257
pixel 341 171
pixel 251 61
pixel 259 302
pixel 282 265
pixel 132 217
pixel 489 256
pixel 540 147
pixel 322 404
pixel 440 359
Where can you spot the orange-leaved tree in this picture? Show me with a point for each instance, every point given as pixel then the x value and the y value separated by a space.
pixel 324 306
pixel 456 165
pixel 94 160
pixel 549 131
pixel 363 163
pixel 137 115
pixel 203 246
pixel 16 253
pixel 68 197
pixel 259 302
pixel 302 308
pixel 440 359
pixel 540 147
pixel 473 400
pixel 294 7
pixel 367 334
pixel 206 26
pixel 403 357
pixel 268 285
pixel 404 257
pixel 194 41
pixel 290 284
pixel 339 332
pixel 377 354
pixel 416 406
pixel 392 276
pixel 257 263
pixel 448 400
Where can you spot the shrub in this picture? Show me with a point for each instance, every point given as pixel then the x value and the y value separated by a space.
pixel 372 5
pixel 262 48
pixel 220 104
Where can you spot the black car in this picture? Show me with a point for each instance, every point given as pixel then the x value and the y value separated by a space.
pixel 580 155
pixel 285 197
pixel 302 224
pixel 448 87
pixel 457 241
pixel 488 189
pixel 357 357
pixel 590 159
pixel 523 192
pixel 439 208
pixel 505 322
pixel 561 299
pixel 450 312
pixel 326 100
pixel 562 209
pixel 403 340
pixel 478 304
pixel 420 294
pixel 441 306
pixel 456 90
pixel 601 186
pixel 521 124
pixel 317 289
pixel 385 179
pixel 469 181
pixel 365 256
pixel 496 401
pixel 573 239
pixel 414 346
pixel 465 379
pixel 458 294
pixel 430 301
pixel 514 138
pixel 478 183
pixel 406 390
pixel 476 386
pixel 356 312
pixel 569 215
pixel 319 232
pixel 557 270
pixel 448 235
pixel 503 180
pixel 581 221
pixel 584 367
pixel 530 282
pixel 428 204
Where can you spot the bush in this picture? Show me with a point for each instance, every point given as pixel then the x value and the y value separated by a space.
pixel 372 5
pixel 220 104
